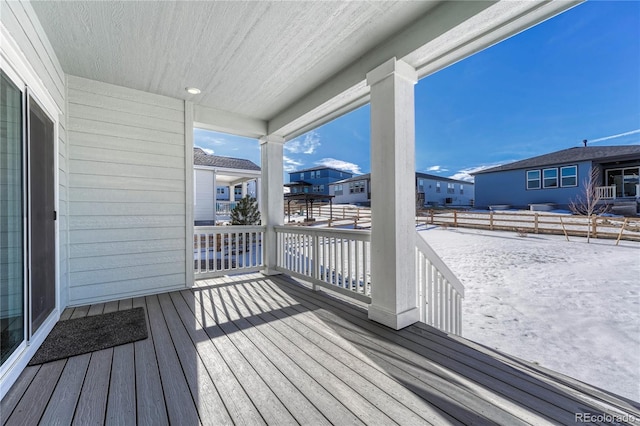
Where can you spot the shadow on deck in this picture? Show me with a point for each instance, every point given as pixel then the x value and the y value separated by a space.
pixel 252 349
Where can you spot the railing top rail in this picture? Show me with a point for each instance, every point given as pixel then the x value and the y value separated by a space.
pixel 229 228
pixel 433 257
pixel 355 234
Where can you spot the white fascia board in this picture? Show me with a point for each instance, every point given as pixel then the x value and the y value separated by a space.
pixel 228 122
pixel 434 23
pixel 493 25
pixel 446 34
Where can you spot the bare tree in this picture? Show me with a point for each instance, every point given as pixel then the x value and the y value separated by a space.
pixel 588 202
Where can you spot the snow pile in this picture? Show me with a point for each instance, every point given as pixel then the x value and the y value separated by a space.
pixel 572 307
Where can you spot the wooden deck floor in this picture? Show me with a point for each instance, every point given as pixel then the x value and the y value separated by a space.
pixel 263 350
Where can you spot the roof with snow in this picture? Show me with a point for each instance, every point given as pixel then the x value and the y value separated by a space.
pixel 201 158
pixel 572 155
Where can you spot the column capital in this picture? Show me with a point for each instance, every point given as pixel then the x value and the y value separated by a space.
pixel 392 67
pixel 271 139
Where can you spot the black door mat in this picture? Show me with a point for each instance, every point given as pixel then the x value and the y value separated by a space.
pixel 82 335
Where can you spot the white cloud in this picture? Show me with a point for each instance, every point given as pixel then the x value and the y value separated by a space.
pixel 290 165
pixel 307 145
pixel 465 174
pixel 340 165
pixel 437 169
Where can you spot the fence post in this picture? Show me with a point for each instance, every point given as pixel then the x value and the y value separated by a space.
pixel 535 226
pixel 455 218
pixel 622 229
pixel 491 220
pixel 315 273
pixel 595 226
pixel 431 214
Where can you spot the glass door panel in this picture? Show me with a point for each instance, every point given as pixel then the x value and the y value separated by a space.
pixel 12 315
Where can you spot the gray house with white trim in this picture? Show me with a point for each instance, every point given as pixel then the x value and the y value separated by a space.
pixel 431 190
pixel 559 177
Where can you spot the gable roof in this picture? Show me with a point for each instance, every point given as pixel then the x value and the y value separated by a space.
pixel 201 158
pixel 571 155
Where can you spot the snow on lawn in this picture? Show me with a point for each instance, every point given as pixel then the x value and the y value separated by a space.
pixel 572 307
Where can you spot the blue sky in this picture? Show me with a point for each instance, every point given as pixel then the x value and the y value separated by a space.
pixel 573 77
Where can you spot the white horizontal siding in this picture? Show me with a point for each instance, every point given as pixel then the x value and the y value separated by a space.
pixel 126 192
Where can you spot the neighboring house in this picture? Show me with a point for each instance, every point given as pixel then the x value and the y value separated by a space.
pixel 315 180
pixel 559 177
pixel 431 190
pixel 232 178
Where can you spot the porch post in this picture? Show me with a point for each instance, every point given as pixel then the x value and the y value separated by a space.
pixel 244 189
pixel 215 199
pixel 393 282
pixel 272 196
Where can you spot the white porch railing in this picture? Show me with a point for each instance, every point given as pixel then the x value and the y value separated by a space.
pixel 439 291
pixel 223 250
pixel 606 192
pixel 339 260
pixel 223 208
pixel 333 258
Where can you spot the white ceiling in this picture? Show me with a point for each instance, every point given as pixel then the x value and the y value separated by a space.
pixel 270 61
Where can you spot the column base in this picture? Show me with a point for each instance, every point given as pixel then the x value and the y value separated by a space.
pixel 268 271
pixel 392 319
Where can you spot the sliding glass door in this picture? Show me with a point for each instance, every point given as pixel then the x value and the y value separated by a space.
pixel 27 216
pixel 12 227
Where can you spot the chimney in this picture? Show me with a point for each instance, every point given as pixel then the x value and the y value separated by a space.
pixel 584 141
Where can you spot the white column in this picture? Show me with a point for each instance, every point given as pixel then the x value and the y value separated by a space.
pixel 272 196
pixel 394 289
pixel 244 189
pixel 259 194
pixel 215 198
pixel 232 193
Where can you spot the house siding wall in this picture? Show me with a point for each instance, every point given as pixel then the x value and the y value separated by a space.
pixel 126 192
pixel 432 196
pixel 509 187
pixel 22 24
pixel 348 198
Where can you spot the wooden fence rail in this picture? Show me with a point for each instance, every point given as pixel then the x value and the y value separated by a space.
pixel 539 223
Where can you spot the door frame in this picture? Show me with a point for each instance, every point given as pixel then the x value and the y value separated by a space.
pixel 20 71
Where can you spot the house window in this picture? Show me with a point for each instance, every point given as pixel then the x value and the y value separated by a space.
pixel 533 179
pixel 569 176
pixel 461 189
pixel 356 187
pixel 306 189
pixel 550 178
pixel 220 191
pixel 301 176
pixel 337 190
pixel 437 186
pixel 451 188
pixel 420 185
pixel 321 188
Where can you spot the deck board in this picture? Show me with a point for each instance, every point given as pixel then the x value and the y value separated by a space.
pixel 63 402
pixel 253 349
pixel 150 403
pixel 174 384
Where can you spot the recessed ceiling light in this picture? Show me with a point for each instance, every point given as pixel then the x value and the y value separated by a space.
pixel 193 90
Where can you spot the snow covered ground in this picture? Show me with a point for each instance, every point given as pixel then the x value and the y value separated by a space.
pixel 572 307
